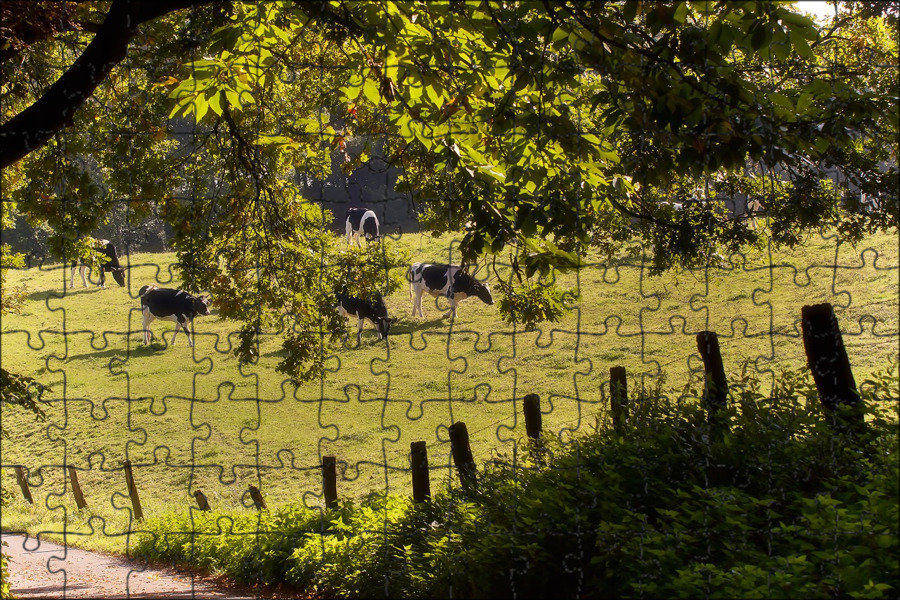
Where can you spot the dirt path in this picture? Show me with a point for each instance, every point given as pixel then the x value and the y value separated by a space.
pixel 42 569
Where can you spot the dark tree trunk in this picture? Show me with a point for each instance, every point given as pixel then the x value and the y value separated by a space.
pixel 34 126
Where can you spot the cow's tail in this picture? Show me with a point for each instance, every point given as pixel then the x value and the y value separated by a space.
pixel 409 278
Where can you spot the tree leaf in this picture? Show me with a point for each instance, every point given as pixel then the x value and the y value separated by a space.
pixel 370 91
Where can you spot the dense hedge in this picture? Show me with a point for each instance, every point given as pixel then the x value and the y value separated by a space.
pixel 781 507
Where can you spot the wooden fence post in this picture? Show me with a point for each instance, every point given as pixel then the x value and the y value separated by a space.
pixel 462 453
pixel 329 480
pixel 258 500
pixel 76 488
pixel 531 406
pixel 23 483
pixel 618 397
pixel 715 392
pixel 421 484
pixel 132 491
pixel 202 502
pixel 827 359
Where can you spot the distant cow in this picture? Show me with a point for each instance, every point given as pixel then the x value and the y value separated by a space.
pixel 111 264
pixel 361 221
pixel 170 305
pixel 435 279
pixel 373 310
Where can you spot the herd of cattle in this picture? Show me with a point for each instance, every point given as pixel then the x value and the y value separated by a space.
pixel 451 282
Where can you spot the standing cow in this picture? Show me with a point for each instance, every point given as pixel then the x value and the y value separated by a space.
pixel 373 310
pixel 170 305
pixel 435 280
pixel 111 264
pixel 361 221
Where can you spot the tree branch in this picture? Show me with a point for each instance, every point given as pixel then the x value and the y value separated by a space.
pixel 36 125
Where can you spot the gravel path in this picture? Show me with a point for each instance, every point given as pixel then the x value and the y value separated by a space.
pixel 42 569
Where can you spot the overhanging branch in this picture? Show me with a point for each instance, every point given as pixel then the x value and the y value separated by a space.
pixel 33 127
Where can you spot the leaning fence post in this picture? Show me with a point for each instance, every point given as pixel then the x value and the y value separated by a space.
pixel 715 393
pixel 132 491
pixel 618 397
pixel 531 406
pixel 827 359
pixel 421 484
pixel 462 453
pixel 257 497
pixel 23 483
pixel 329 480
pixel 76 488
pixel 202 502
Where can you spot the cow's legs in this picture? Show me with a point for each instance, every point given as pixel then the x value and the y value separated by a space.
pixel 187 331
pixel 102 279
pixel 145 323
pixel 417 302
pixel 349 232
pixel 359 328
pixel 81 271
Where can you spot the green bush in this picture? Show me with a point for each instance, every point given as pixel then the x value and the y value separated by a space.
pixel 5 591
pixel 780 506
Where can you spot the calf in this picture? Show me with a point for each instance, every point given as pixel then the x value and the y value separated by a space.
pixel 361 221
pixel 111 264
pixel 374 310
pixel 435 279
pixel 170 305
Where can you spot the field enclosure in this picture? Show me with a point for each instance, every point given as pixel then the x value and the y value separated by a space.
pixel 192 418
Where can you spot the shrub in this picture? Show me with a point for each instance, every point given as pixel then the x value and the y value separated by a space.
pixel 779 506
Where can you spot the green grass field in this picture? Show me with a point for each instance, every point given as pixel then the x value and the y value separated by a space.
pixel 192 418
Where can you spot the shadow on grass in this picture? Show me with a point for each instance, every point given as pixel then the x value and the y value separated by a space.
pixel 59 294
pixel 121 352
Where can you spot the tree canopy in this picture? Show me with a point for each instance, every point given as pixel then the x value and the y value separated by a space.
pixel 539 130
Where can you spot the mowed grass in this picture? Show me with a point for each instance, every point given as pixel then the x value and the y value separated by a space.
pixel 193 418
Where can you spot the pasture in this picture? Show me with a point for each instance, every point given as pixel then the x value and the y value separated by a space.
pixel 193 418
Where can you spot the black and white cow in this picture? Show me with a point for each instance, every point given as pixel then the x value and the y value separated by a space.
pixel 374 310
pixel 170 305
pixel 435 280
pixel 111 264
pixel 361 221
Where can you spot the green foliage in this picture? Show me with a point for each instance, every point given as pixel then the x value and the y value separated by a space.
pixel 377 268
pixel 23 392
pixel 246 547
pixel 10 299
pixel 532 303
pixel 4 577
pixel 781 507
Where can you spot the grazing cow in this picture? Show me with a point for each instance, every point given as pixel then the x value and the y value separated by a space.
pixel 374 310
pixel 435 279
pixel 361 221
pixel 170 305
pixel 111 264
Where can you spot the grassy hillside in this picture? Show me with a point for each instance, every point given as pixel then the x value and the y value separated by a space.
pixel 192 418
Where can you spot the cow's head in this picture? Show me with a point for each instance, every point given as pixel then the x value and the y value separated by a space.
pixel 118 274
pixel 483 292
pixel 201 305
pixel 384 326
